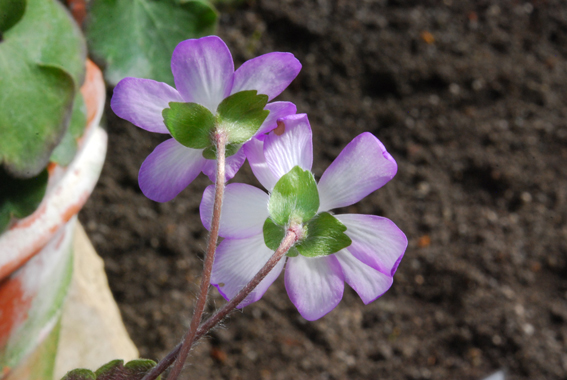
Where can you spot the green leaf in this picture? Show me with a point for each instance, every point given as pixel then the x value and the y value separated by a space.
pixel 190 123
pixel 42 62
pixel 273 236
pixel 20 197
pixel 242 114
pixel 67 148
pixel 295 197
pixel 79 374
pixel 11 11
pixel 325 236
pixel 136 37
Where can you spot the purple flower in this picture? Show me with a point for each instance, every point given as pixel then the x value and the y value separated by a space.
pixel 203 72
pixel 315 285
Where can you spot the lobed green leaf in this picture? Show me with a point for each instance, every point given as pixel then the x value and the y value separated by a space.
pixel 325 236
pixel 242 114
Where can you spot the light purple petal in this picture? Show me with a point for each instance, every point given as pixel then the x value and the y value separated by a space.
pixel 254 150
pixel 376 241
pixel 314 285
pixel 269 74
pixel 244 210
pixel 232 165
pixel 141 102
pixel 366 281
pixel 237 261
pixel 292 147
pixel 277 111
pixel 169 169
pixel 363 166
pixel 203 71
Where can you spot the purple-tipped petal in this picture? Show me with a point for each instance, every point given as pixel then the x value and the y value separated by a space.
pixel 203 71
pixel 363 166
pixel 244 210
pixel 292 146
pixel 141 102
pixel 366 281
pixel 232 165
pixel 314 285
pixel 237 261
pixel 376 241
pixel 169 169
pixel 254 150
pixel 269 74
pixel 277 111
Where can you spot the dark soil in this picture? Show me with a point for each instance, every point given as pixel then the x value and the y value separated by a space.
pixel 470 99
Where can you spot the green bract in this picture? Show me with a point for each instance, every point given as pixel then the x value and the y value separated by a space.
pixel 295 201
pixel 114 370
pixel 136 37
pixel 295 196
pixel 239 116
pixel 42 63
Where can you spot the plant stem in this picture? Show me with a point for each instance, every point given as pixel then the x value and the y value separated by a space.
pixel 230 306
pixel 220 140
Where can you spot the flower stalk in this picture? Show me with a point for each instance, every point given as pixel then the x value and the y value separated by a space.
pixel 190 337
pixel 288 241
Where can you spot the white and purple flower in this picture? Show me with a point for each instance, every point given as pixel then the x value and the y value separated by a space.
pixel 203 72
pixel 315 285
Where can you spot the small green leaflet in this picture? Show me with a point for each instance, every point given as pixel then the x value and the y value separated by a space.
pixel 242 114
pixel 20 197
pixel 190 123
pixel 295 196
pixel 137 37
pixel 114 370
pixel 325 236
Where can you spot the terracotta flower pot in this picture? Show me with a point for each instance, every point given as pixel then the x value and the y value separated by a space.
pixel 36 254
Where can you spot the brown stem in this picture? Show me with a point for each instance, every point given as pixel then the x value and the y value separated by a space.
pixel 220 138
pixel 230 306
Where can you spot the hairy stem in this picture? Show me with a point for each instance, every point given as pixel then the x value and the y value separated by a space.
pixel 220 138
pixel 230 306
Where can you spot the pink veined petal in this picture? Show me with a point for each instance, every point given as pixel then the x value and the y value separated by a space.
pixel 363 166
pixel 376 241
pixel 293 147
pixel 169 169
pixel 369 283
pixel 203 71
pixel 141 102
pixel 232 165
pixel 254 150
pixel 244 210
pixel 269 74
pixel 314 285
pixel 237 261
pixel 277 111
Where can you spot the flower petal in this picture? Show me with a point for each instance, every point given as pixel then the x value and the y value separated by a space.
pixel 363 166
pixel 169 169
pixel 244 210
pixel 369 283
pixel 232 165
pixel 203 71
pixel 277 111
pixel 254 150
pixel 376 241
pixel 314 285
pixel 269 74
pixel 237 261
pixel 294 146
pixel 141 102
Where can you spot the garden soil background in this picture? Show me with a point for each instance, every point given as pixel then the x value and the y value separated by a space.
pixel 469 97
